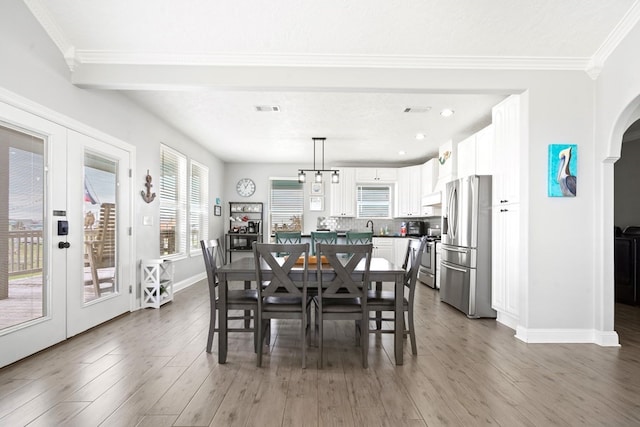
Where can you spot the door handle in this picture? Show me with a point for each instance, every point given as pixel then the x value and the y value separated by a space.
pixel 450 267
pixel 64 245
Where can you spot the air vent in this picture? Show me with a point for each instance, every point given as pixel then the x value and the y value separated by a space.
pixel 417 109
pixel 267 108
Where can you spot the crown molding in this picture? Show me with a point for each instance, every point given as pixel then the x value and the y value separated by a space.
pixel 322 60
pixel 43 16
pixel 621 30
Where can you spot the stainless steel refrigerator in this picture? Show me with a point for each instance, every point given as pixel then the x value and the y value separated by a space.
pixel 465 266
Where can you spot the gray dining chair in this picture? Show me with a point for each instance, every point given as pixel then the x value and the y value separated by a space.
pixel 328 237
pixel 384 301
pixel 282 288
pixel 342 291
pixel 242 299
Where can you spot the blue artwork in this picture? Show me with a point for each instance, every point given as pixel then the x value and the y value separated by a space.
pixel 563 166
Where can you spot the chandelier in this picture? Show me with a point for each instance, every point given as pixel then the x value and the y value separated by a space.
pixel 317 173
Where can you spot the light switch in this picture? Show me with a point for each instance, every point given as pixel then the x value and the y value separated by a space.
pixel 147 220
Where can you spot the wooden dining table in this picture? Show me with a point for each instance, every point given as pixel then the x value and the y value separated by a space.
pixel 381 270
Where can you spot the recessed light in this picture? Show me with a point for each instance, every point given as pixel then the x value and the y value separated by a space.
pixel 420 136
pixel 447 112
pixel 401 153
pixel 268 108
pixel 417 109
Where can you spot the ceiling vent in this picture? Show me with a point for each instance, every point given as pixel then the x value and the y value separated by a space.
pixel 268 108
pixel 417 109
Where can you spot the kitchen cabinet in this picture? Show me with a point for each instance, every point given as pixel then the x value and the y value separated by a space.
pixel 505 277
pixel 376 175
pixel 429 177
pixel 475 154
pixel 507 126
pixel 400 246
pixel 343 194
pixel 409 192
pixel 448 164
pixel 383 248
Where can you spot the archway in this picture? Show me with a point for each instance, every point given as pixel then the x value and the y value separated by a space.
pixel 604 298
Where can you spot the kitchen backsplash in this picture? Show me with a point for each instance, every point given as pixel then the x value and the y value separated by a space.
pixel 392 225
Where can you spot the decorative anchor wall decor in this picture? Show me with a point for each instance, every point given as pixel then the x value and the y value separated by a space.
pixel 148 196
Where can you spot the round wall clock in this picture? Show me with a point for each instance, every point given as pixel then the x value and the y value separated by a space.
pixel 245 187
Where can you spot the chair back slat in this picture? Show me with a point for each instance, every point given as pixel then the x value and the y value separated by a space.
pixel 212 260
pixel 277 276
pixel 359 237
pixel 344 281
pixel 329 237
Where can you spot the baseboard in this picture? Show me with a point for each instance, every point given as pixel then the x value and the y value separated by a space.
pixel 507 320
pixel 184 284
pixel 574 336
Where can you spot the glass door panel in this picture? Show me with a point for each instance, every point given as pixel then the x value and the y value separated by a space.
pixel 100 226
pixel 22 296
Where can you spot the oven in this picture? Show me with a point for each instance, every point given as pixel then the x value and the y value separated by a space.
pixel 427 270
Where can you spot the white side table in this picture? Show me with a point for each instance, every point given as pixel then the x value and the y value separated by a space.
pixel 156 277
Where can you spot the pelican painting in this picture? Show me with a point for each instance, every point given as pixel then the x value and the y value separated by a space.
pixel 562 170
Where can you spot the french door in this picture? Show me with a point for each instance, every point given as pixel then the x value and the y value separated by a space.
pixel 50 251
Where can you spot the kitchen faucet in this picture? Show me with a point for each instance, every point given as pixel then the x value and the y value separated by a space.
pixel 367 225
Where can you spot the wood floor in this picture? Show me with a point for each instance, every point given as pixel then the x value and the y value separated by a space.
pixel 149 368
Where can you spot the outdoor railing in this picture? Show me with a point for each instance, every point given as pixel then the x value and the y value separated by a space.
pixel 25 252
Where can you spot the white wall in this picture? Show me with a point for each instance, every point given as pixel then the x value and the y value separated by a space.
pixel 617 107
pixel 32 67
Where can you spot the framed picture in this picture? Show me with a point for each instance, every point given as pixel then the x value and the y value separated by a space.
pixel 317 189
pixel 563 170
pixel 217 210
pixel 316 203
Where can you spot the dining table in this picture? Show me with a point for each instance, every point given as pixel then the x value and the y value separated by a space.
pixel 381 270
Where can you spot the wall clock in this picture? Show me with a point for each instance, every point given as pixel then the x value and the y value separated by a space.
pixel 245 187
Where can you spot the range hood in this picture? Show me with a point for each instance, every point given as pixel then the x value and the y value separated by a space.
pixel 433 199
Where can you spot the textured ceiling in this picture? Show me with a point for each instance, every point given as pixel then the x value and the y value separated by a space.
pixel 360 126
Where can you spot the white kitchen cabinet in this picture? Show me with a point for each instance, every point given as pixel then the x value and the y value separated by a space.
pixel 343 194
pixel 475 154
pixel 448 164
pixel 383 248
pixel 409 192
pixel 505 274
pixel 376 175
pixel 429 177
pixel 507 127
pixel 467 156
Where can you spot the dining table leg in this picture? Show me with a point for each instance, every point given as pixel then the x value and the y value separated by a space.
pixel 399 319
pixel 222 320
pixel 379 313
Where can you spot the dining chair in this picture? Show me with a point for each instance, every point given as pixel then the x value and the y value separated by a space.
pixel 342 290
pixel 359 237
pixel 329 237
pixel 241 299
pixel 282 288
pixel 381 301
pixel 288 237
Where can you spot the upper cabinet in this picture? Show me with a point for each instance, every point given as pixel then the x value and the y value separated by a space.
pixel 475 154
pixel 448 164
pixel 409 191
pixel 376 175
pixel 507 126
pixel 429 177
pixel 343 194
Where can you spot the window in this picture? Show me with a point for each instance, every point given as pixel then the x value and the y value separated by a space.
pixel 287 205
pixel 198 206
pixel 373 201
pixel 173 202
